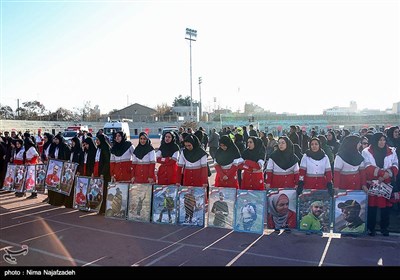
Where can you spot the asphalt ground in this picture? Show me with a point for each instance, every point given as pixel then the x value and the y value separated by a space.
pixel 60 237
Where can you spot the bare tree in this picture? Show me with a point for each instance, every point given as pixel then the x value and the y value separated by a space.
pixel 6 112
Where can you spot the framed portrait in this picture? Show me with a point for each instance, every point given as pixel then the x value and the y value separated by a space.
pixel 80 192
pixel 221 207
pixel 19 178
pixel 350 212
pixel 40 170
pixel 30 179
pixel 53 175
pixel 314 211
pixel 164 208
pixel 281 209
pixel 95 194
pixel 249 211
pixel 68 177
pixel 117 200
pixel 8 184
pixel 191 203
pixel 139 202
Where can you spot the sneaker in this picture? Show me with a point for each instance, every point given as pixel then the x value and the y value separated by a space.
pixel 371 232
pixel 385 232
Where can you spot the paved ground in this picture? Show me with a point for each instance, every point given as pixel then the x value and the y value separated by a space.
pixel 57 236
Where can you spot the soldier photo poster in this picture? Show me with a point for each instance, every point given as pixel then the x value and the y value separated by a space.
pixel 139 203
pixel 8 184
pixel 53 174
pixel 30 179
pixel 191 201
pixel 281 209
pixel 68 177
pixel 19 178
pixel 314 211
pixel 80 192
pixel 164 208
pixel 117 200
pixel 221 207
pixel 249 211
pixel 95 194
pixel 40 170
pixel 350 212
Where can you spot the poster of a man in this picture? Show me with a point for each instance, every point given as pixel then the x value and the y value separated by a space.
pixel 53 175
pixel 164 201
pixel 68 177
pixel 40 170
pixel 191 206
pixel 311 220
pixel 249 212
pixel 222 202
pixel 139 202
pixel 30 180
pixel 350 212
pixel 117 200
pixel 9 180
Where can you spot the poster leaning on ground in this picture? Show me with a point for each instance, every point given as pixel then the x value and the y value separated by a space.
pixel 80 192
pixel 164 208
pixel 117 200
pixel 139 202
pixel 67 177
pixel 95 194
pixel 350 212
pixel 191 210
pixel 249 211
pixel 30 179
pixel 8 184
pixel 40 170
pixel 53 175
pixel 221 207
pixel 281 209
pixel 314 211
pixel 19 179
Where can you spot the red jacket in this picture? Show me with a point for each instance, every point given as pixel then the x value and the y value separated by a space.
pixel 347 176
pixel 167 173
pixel 252 178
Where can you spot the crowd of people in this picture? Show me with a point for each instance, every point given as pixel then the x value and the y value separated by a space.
pixel 243 158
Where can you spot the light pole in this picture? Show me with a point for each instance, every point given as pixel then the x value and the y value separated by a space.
pixel 200 111
pixel 191 35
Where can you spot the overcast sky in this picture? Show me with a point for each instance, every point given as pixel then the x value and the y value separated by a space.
pixel 285 56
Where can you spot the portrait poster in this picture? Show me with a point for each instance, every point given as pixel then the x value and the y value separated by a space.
pixel 68 177
pixel 40 170
pixel 249 211
pixel 8 184
pixel 95 194
pixel 281 209
pixel 380 189
pixel 221 207
pixel 19 178
pixel 30 179
pixel 314 211
pixel 139 202
pixel 191 206
pixel 80 192
pixel 350 212
pixel 164 208
pixel 117 200
pixel 53 174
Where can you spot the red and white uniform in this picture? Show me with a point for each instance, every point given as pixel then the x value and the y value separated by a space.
pixel 252 177
pixel 195 173
pixel 121 166
pixel 390 165
pixel 315 173
pixel 229 171
pixel 347 176
pixel 167 173
pixel 281 178
pixel 143 169
pixel 32 156
pixel 19 157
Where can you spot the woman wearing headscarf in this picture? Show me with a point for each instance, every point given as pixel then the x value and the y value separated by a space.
pixel 283 167
pixel 279 214
pixel 349 166
pixel 227 161
pixel 31 156
pixel 192 163
pixel 332 141
pixel 253 156
pixel 382 165
pixel 315 169
pixel 144 161
pixel 18 157
pixel 167 156
pixel 76 156
pixel 121 158
pixel 89 156
pixel 48 147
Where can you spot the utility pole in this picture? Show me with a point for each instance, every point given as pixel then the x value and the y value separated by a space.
pixel 191 35
pixel 201 111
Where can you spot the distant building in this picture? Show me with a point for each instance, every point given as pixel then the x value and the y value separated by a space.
pixel 342 111
pixel 183 112
pixel 396 108
pixel 135 112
